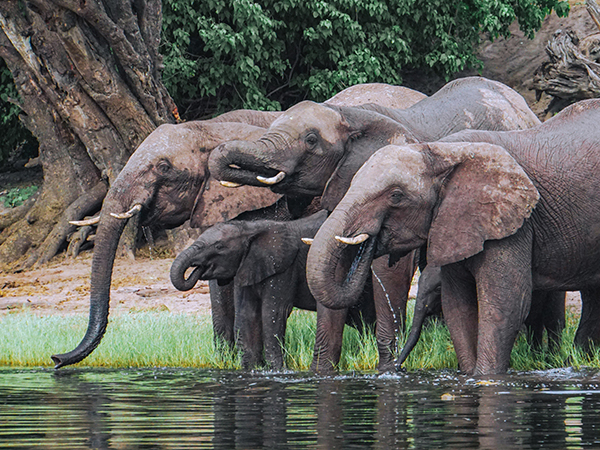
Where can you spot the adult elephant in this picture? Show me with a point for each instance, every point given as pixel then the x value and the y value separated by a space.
pixel 167 182
pixel 502 213
pixel 316 149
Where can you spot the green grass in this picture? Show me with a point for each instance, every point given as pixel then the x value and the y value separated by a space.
pixel 162 339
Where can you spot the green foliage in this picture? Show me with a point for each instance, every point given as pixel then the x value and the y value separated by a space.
pixel 15 137
pixel 17 196
pixel 269 54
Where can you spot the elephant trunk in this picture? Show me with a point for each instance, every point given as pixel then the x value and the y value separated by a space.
pixel 179 267
pixel 337 271
pixel 240 162
pixel 105 247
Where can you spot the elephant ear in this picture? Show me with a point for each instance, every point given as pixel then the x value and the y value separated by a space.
pixel 216 203
pixel 486 196
pixel 272 251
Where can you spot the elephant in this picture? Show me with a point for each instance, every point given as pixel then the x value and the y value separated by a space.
pixel 315 149
pixel 266 260
pixel 166 182
pixel 547 312
pixel 502 213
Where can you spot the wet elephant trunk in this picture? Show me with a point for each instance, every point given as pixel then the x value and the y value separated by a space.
pixel 180 265
pixel 337 272
pixel 105 247
pixel 240 162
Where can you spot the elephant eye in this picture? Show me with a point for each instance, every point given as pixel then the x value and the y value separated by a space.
pixel 163 167
pixel 312 140
pixel 396 196
pixel 219 246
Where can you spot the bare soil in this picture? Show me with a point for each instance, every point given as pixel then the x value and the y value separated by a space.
pixel 63 287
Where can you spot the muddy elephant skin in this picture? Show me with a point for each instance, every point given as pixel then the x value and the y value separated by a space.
pixel 502 213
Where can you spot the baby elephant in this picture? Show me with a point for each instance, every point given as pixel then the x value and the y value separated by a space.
pixel 547 311
pixel 266 260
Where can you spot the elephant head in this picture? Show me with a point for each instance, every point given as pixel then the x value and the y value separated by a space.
pixel 164 181
pixel 451 196
pixel 302 148
pixel 251 251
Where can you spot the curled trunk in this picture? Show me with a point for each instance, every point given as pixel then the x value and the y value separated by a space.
pixel 182 263
pixel 337 272
pixel 247 152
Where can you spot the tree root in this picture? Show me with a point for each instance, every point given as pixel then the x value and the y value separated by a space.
pixel 87 203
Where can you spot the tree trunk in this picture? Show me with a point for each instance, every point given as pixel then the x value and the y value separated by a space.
pixel 88 76
pixel 573 70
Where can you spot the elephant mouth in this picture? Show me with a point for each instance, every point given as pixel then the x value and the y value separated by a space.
pixel 356 258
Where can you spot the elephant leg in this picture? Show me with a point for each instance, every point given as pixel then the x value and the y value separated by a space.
pixel 222 312
pixel 390 293
pixel 277 305
pixel 248 327
pixel 554 318
pixel 328 339
pixel 459 306
pixel 588 331
pixel 504 288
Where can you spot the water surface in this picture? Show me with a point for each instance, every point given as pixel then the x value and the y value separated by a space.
pixel 189 408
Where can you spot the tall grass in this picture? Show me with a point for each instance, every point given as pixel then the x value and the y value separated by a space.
pixel 162 339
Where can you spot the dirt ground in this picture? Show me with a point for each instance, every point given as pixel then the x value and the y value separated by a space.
pixel 63 287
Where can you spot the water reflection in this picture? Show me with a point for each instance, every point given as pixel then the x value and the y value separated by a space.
pixel 156 408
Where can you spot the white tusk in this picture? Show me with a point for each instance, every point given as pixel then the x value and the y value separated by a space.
pixel 353 241
pixel 129 214
pixel 307 241
pixel 234 166
pixel 86 222
pixel 229 184
pixel 273 180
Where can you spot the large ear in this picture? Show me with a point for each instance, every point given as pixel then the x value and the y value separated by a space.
pixel 364 140
pixel 486 196
pixel 271 252
pixel 216 203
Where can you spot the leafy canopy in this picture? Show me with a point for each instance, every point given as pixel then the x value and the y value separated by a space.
pixel 269 54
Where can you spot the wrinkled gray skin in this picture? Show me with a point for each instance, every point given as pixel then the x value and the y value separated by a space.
pixel 547 312
pixel 168 176
pixel 267 261
pixel 502 213
pixel 318 148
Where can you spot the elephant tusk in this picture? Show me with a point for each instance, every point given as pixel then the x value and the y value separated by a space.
pixel 229 184
pixel 86 222
pixel 273 180
pixel 234 166
pixel 353 241
pixel 129 214
pixel 307 241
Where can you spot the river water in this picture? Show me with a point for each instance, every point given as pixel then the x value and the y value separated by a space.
pixel 190 408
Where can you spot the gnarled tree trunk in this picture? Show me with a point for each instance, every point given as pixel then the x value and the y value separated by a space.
pixel 88 76
pixel 573 70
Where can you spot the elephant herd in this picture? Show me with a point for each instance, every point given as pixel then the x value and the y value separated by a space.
pixel 333 206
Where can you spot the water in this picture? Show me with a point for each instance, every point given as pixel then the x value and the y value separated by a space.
pixel 188 408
